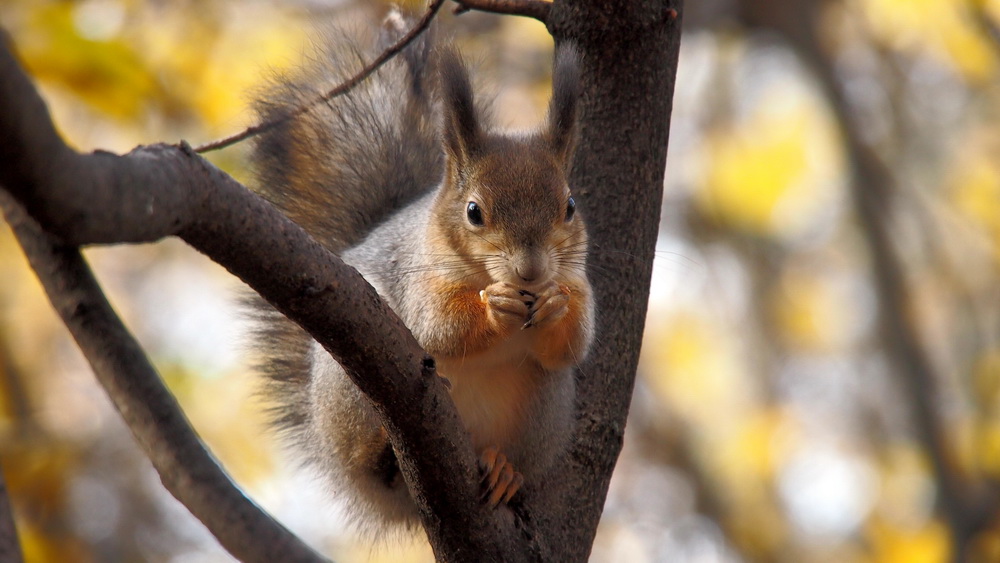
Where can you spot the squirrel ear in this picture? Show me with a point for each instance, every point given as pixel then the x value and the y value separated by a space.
pixel 563 106
pixel 461 128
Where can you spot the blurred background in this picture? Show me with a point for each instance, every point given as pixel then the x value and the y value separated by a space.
pixel 820 380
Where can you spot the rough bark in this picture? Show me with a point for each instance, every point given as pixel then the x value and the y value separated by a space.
pixel 629 58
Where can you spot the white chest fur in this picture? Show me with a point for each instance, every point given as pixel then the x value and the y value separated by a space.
pixel 493 388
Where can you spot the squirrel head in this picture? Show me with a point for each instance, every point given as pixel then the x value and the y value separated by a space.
pixel 505 202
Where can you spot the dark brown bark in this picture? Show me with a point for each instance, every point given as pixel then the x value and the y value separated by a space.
pixel 629 52
pixel 537 9
pixel 629 62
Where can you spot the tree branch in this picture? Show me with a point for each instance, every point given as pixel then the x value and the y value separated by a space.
pixel 339 90
pixel 186 469
pixel 167 190
pixel 10 547
pixel 536 9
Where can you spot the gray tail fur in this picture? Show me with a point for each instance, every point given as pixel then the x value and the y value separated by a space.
pixel 338 170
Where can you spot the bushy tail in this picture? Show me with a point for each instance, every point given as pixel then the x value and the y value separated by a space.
pixel 345 165
pixel 338 170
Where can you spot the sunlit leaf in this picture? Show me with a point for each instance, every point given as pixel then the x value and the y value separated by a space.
pixel 939 28
pixel 770 175
pixel 688 363
pixel 929 544
pixel 108 74
pixel 976 193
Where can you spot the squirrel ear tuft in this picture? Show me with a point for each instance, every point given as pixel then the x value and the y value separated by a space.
pixel 461 128
pixel 565 96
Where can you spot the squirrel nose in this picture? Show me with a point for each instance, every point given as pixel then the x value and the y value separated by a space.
pixel 529 272
pixel 530 266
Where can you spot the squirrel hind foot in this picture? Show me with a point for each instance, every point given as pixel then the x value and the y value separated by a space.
pixel 500 481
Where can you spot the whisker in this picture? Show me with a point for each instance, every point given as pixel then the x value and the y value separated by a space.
pixel 502 252
pixel 597 249
pixel 465 262
pixel 571 235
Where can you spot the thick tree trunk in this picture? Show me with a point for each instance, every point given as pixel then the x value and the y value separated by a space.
pixel 630 52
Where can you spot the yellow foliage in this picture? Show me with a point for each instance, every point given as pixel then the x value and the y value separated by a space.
pixel 939 28
pixel 744 461
pixel 161 58
pixel 756 449
pixel 244 447
pixel 766 175
pixel 108 74
pixel 976 193
pixel 906 491
pixel 890 544
pixel 987 448
pixel 986 378
pixel 37 471
pixel 758 528
pixel 688 364
pixel 403 552
pixel 221 66
pixel 984 439
pixel 40 545
pixel 808 312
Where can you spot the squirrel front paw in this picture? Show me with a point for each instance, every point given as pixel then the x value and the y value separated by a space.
pixel 500 481
pixel 551 304
pixel 506 305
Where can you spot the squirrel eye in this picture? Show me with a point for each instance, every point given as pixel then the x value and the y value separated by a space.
pixel 570 208
pixel 474 213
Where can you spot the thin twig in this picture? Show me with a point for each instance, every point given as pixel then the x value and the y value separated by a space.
pixel 340 90
pixel 528 8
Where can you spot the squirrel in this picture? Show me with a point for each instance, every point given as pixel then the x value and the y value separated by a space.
pixel 471 235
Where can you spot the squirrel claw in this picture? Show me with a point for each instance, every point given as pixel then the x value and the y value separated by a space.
pixel 551 305
pixel 530 322
pixel 500 481
pixel 507 307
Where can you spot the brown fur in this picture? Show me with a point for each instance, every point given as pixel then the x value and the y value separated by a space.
pixel 354 173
